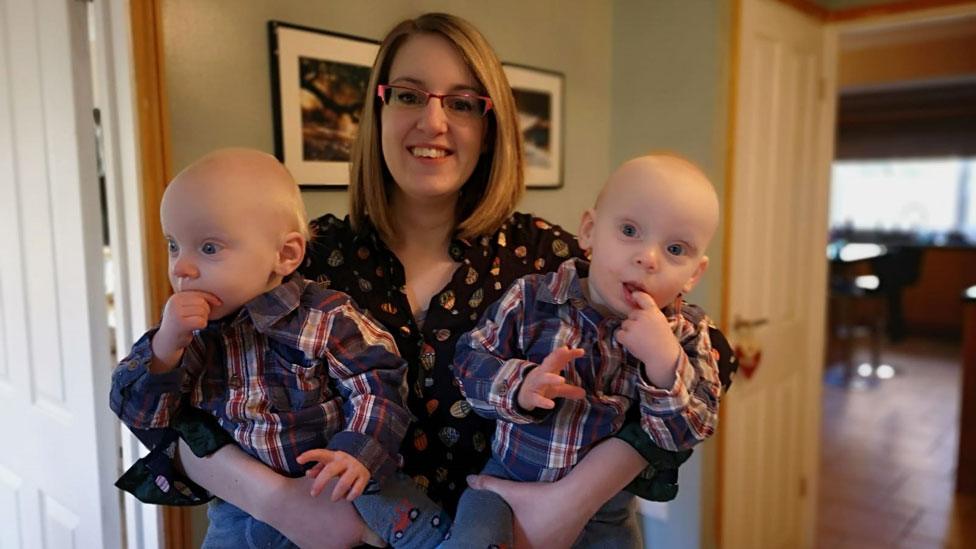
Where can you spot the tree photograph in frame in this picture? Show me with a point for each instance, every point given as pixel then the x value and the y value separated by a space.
pixel 319 86
pixel 539 101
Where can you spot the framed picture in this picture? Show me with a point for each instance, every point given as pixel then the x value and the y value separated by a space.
pixel 318 89
pixel 539 100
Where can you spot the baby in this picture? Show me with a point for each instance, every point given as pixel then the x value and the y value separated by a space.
pixel 293 371
pixel 560 359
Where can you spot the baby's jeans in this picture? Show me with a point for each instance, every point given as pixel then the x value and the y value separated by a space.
pixel 232 528
pixel 483 519
pixel 614 526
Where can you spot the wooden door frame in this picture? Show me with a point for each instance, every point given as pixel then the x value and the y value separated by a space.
pixel 155 164
pixel 858 13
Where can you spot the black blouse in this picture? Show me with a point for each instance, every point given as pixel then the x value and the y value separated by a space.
pixel 447 441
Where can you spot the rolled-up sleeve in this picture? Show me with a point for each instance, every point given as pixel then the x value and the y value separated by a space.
pixel 371 377
pixel 489 360
pixel 685 414
pixel 141 399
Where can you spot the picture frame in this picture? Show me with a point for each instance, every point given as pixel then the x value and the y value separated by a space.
pixel 318 88
pixel 539 101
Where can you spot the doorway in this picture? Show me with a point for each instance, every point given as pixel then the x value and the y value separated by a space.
pixel 889 442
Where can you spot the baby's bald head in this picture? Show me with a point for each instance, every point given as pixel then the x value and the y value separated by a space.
pixel 668 179
pixel 648 233
pixel 250 179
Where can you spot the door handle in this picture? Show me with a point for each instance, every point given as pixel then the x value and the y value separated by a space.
pixel 743 323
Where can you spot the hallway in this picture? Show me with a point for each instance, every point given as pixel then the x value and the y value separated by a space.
pixel 888 457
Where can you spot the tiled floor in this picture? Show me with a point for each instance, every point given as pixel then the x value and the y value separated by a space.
pixel 888 457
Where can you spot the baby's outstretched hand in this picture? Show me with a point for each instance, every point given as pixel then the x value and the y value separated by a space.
pixel 184 312
pixel 350 474
pixel 544 383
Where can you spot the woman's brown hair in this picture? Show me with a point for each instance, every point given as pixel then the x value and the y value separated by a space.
pixel 494 188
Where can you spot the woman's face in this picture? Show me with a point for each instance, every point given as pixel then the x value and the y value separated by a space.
pixel 429 152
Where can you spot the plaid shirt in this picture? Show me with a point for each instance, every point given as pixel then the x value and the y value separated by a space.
pixel 543 312
pixel 299 367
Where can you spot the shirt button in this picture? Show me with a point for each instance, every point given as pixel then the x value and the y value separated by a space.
pixel 235 381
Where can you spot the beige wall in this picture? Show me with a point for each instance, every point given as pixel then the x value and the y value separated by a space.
pixel 218 75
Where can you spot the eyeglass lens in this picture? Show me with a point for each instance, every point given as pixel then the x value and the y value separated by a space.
pixel 462 105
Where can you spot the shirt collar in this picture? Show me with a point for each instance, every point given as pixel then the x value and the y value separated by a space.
pixel 564 284
pixel 268 308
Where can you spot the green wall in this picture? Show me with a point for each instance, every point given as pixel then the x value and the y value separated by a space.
pixel 670 91
pixel 218 75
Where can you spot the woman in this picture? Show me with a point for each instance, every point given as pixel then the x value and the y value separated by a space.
pixel 430 242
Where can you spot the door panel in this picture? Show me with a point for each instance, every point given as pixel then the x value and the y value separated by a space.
pixel 778 230
pixel 56 477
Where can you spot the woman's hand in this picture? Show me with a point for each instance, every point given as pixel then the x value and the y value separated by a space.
pixel 310 521
pixel 284 503
pixel 544 516
pixel 553 514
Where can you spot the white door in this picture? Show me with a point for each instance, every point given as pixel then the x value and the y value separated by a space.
pixel 781 153
pixel 60 450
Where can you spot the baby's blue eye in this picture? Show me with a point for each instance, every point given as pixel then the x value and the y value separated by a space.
pixel 628 230
pixel 676 249
pixel 208 248
pixel 172 246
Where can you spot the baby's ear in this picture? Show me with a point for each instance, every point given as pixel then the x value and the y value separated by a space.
pixel 587 226
pixel 696 276
pixel 290 253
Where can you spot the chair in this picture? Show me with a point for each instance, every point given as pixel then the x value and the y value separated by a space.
pixel 871 303
pixel 897 270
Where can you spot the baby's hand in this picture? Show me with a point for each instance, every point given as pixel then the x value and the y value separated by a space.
pixel 352 475
pixel 544 383
pixel 645 333
pixel 184 312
